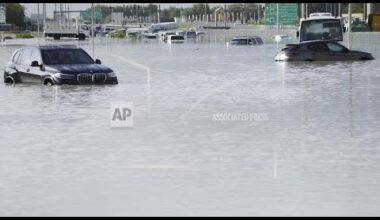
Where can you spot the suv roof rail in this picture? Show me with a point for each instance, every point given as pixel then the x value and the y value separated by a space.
pixel 59 46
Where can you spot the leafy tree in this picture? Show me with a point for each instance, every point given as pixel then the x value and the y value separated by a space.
pixel 15 14
pixel 355 8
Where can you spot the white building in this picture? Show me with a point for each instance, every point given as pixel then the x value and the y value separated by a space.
pixel 117 18
pixel 2 15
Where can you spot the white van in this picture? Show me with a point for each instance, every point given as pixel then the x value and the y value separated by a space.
pixel 173 39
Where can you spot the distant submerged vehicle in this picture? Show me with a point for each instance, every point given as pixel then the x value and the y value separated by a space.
pixel 320 50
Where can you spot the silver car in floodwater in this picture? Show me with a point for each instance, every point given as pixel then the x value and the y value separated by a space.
pixel 320 50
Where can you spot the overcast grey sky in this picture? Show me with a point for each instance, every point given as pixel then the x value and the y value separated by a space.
pixel 31 8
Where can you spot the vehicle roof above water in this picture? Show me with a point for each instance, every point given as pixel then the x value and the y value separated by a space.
pixel 50 47
pixel 245 37
pixel 311 42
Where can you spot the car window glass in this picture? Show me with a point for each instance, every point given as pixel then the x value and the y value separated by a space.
pixel 243 41
pixel 16 57
pixel 335 47
pixel 259 41
pixel 254 41
pixel 36 56
pixel 318 47
pixel 25 57
pixel 65 56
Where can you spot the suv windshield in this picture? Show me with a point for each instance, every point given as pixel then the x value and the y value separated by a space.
pixel 65 56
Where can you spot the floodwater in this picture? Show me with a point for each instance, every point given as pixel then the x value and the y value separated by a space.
pixel 312 149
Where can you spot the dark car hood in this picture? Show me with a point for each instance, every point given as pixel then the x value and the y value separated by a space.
pixel 78 68
pixel 367 54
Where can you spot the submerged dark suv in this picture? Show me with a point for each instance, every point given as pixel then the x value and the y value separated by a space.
pixel 56 65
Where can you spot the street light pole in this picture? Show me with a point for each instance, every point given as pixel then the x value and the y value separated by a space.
pixel 38 22
pixel 216 22
pixel 349 25
pixel 339 9
pixel 225 16
pixel 92 30
pixel 277 18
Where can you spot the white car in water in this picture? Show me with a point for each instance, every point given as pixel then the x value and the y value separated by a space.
pixel 174 39
pixel 281 38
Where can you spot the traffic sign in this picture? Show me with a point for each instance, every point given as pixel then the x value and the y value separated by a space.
pixel 87 15
pixel 287 13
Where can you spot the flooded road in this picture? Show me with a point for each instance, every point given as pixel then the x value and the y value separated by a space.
pixel 311 149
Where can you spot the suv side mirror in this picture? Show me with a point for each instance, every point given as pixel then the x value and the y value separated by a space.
pixel 34 63
pixel 297 33
pixel 97 61
pixel 344 29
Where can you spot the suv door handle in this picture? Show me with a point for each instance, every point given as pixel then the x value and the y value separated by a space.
pixel 27 70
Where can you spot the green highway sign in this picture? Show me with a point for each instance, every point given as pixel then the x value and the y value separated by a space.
pixel 287 13
pixel 87 15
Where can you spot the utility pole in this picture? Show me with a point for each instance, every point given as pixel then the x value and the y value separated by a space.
pixel 60 15
pixel 225 16
pixel 307 11
pixel 44 12
pixel 92 31
pixel 38 22
pixel 205 12
pixel 349 25
pixel 277 19
pixel 338 9
pixel 158 13
pixel 302 10
pixel 242 16
pixel 258 14
pixel 216 21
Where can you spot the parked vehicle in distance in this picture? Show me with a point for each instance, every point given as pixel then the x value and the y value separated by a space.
pixel 247 40
pixel 172 39
pixel 320 51
pixel 180 32
pixel 56 65
pixel 57 30
pixel 149 35
pixel 190 34
pixel 200 33
pixel 165 35
pixel 281 38
pixel 359 26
